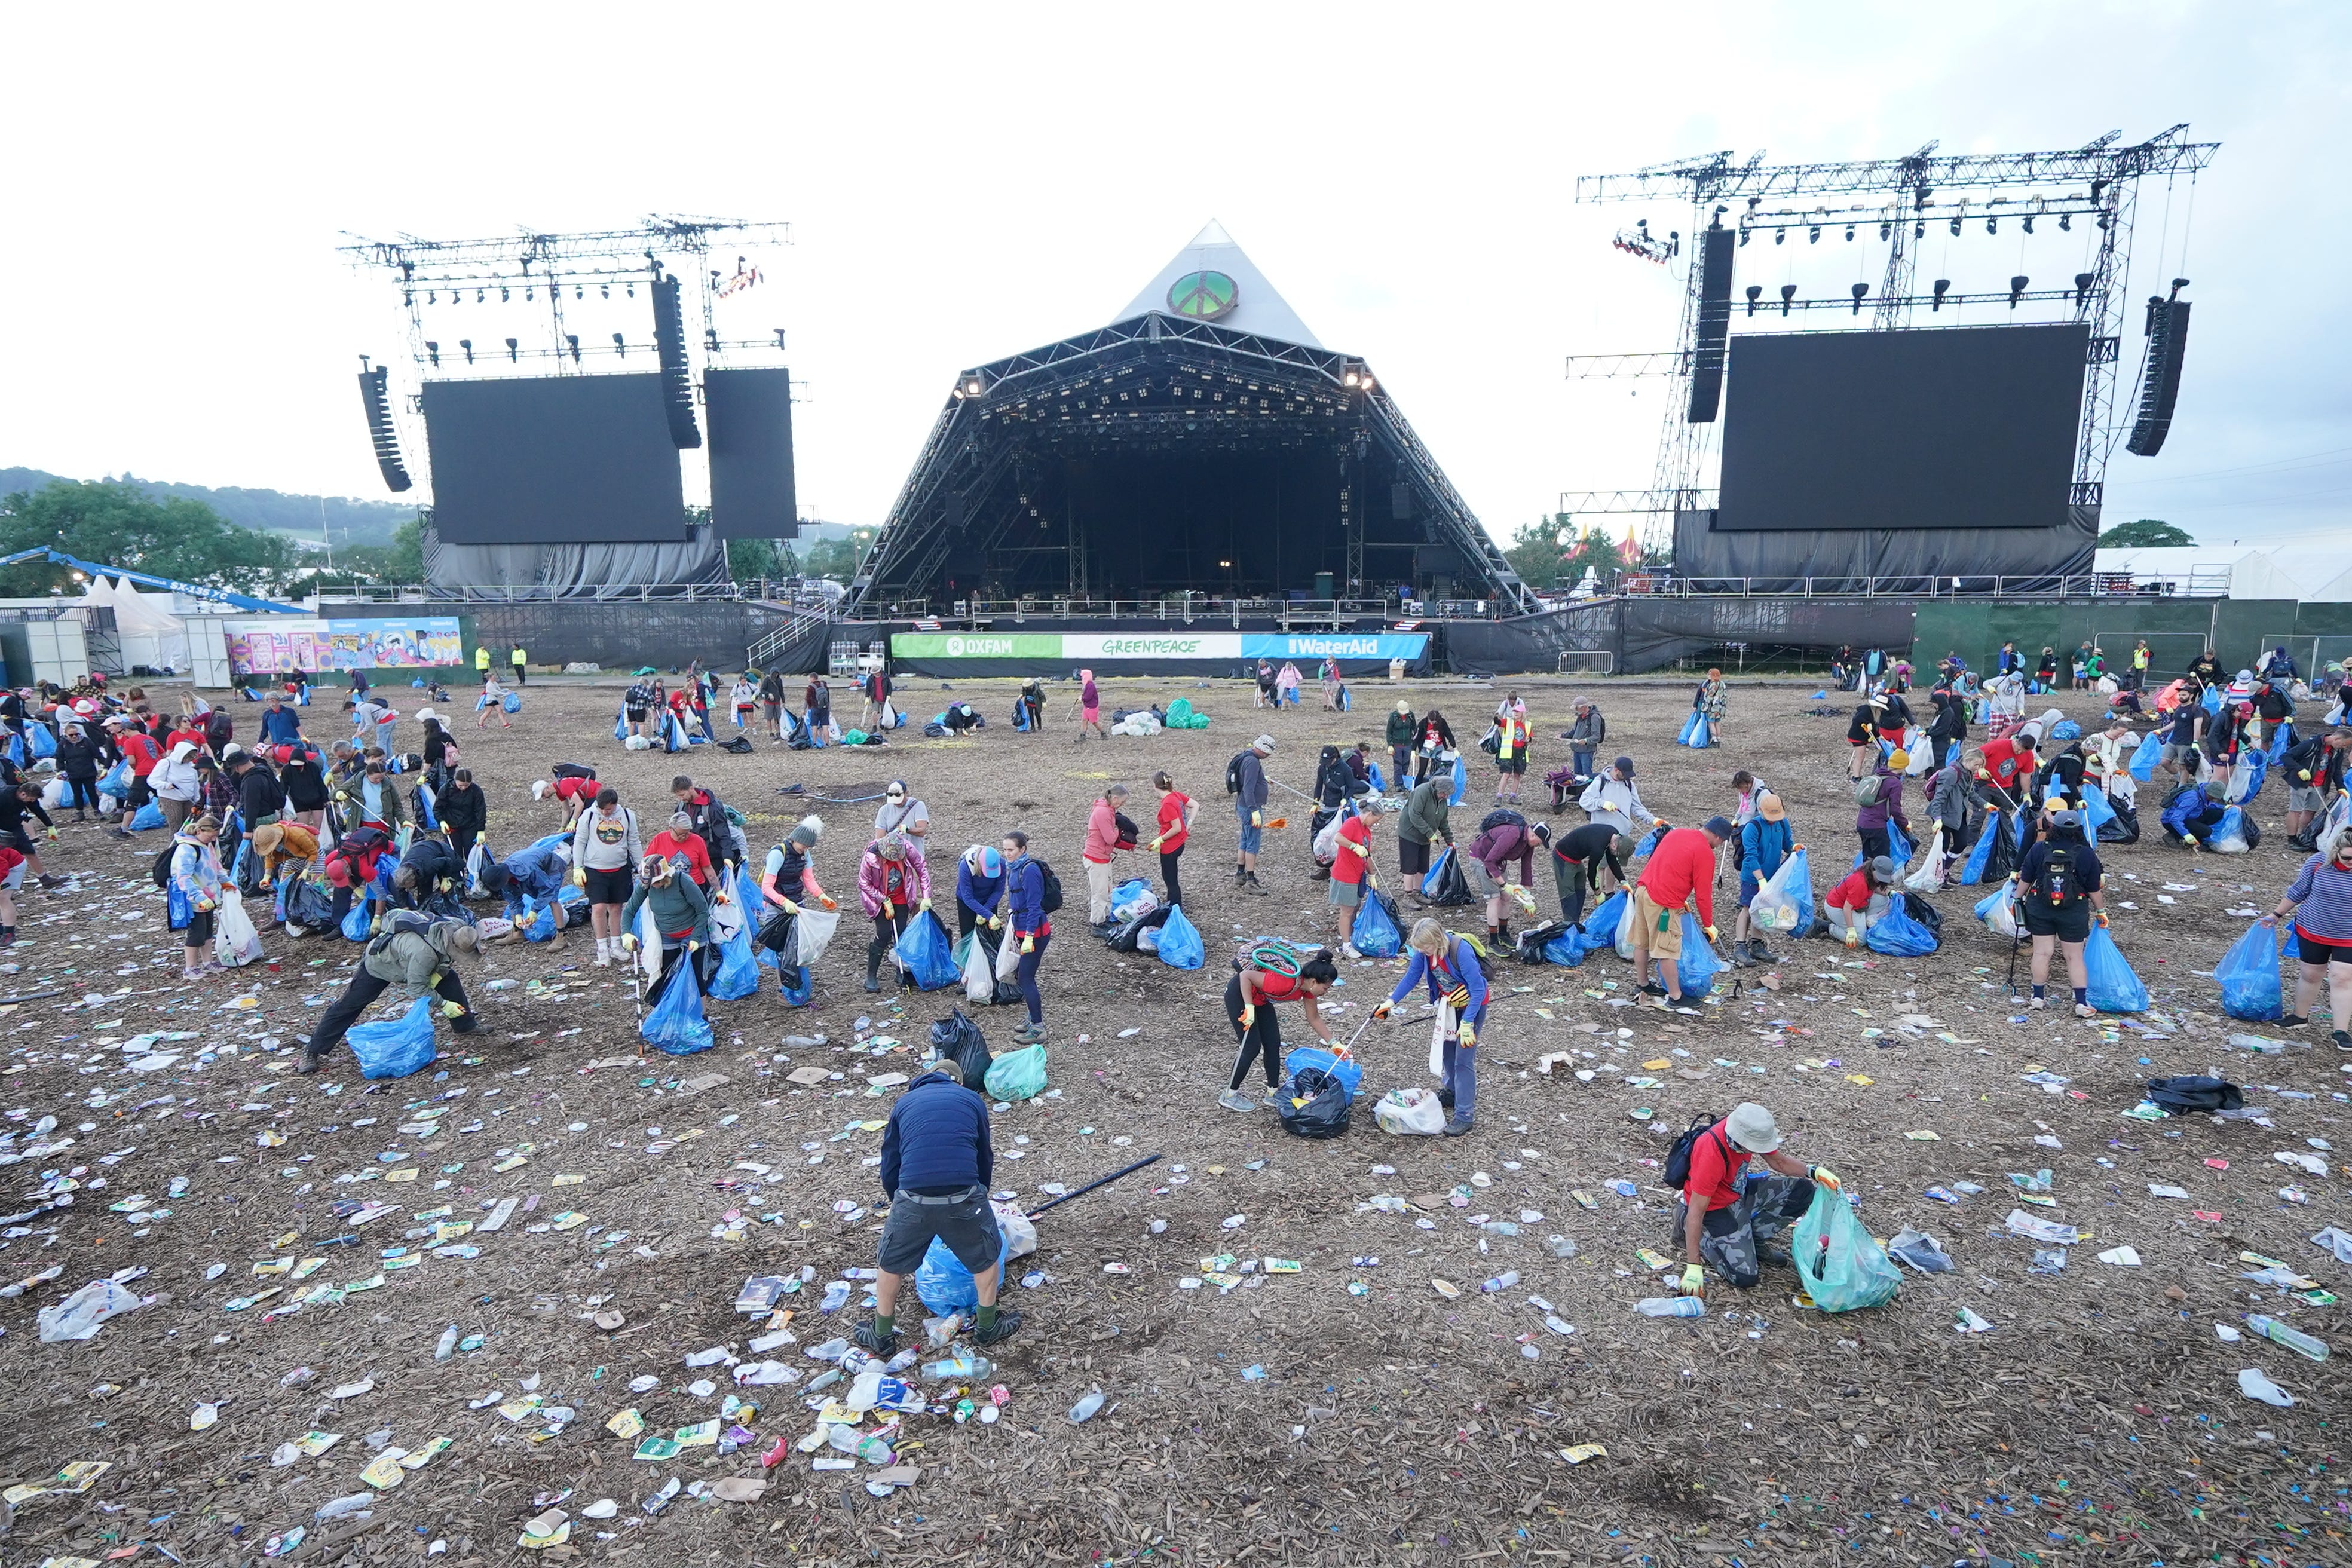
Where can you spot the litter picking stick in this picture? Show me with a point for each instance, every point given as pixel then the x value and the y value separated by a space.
pixel 1090 1186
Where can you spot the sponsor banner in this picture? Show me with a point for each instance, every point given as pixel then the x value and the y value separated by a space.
pixel 1111 648
pixel 276 644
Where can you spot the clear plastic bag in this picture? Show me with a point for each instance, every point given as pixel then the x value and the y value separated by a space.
pixel 2248 977
pixel 1409 1112
pixel 1998 912
pixel 235 942
pixel 1843 1269
pixel 2114 988
pixel 1785 902
pixel 1931 874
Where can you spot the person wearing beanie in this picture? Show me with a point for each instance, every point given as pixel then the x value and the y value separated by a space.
pixel 1882 806
pixel 894 885
pixel 787 880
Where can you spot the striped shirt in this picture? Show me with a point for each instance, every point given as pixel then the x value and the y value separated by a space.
pixel 2323 893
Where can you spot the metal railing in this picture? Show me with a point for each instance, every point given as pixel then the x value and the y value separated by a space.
pixel 2198 584
pixel 535 593
pixel 1172 606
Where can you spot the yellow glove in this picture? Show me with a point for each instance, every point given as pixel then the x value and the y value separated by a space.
pixel 1158 836
pixel 2101 917
pixel 789 907
pixel 923 904
pixel 692 946
pixel 53 831
pixel 2305 776
pixel 629 941
pixel 1249 1015
pixel 1710 933
pixel 1257 819
pixel 447 884
pixel 1383 1008
pixel 1469 1036
pixel 1028 944
pixel 579 876
pixel 451 1010
pixel 1694 1280
pixel 1826 1177
pixel 996 921
pixel 204 905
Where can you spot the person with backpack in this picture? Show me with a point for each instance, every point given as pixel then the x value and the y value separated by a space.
pixel 1870 720
pixel 2058 895
pixel 1765 840
pixel 428 870
pixel 2273 708
pixel 1032 893
pixel 1032 703
pixel 1245 780
pixel 2315 770
pixel 1175 822
pixel 2320 899
pixel 1679 877
pixel 572 784
pixel 1426 820
pixel 1878 802
pixel 936 1168
pixel 194 885
pixel 2190 813
pixel 707 816
pixel 605 851
pixel 681 917
pixel 1402 726
pixel 1578 858
pixel 279 844
pixel 1502 838
pixel 417 955
pixel 1612 799
pixel 1728 1223
pixel 354 865
pixel 1456 981
pixel 1261 978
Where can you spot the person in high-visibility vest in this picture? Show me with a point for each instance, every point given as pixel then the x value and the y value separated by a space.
pixel 482 658
pixel 522 673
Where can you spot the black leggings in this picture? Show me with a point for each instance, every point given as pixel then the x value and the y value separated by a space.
pixel 85 793
pixel 1168 858
pixel 887 929
pixel 1262 1037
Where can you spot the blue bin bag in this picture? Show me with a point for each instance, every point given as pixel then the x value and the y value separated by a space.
pixel 2065 730
pixel 569 897
pixel 2248 977
pixel 1179 945
pixel 1374 934
pixel 1020 716
pixel 45 741
pixel 1435 878
pixel 2114 987
pixel 2258 767
pixel 146 817
pixel 1985 905
pixel 17 750
pixel 2097 812
pixel 1461 782
pixel 542 923
pixel 927 954
pixel 1126 898
pixel 1649 841
pixel 1695 725
pixel 2211 702
pixel 2231 826
pixel 739 969
pixel 396 1046
pixel 358 920
pixel 2143 762
pixel 1899 846
pixel 1696 966
pixel 621 722
pixel 1599 928
pixel 675 1023
pixel 427 817
pixel 1899 936
pixel 511 702
pixel 944 1285
pixel 2282 738
pixel 1372 773
pixel 1567 949
pixel 1801 889
pixel 1350 1073
pixel 116 781
pixel 799 985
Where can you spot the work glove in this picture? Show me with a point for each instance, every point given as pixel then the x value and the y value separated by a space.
pixel 1158 837
pixel 2101 916
pixel 452 1010
pixel 579 876
pixel 789 907
pixel 1028 944
pixel 1853 937
pixel 1249 1015
pixel 629 941
pixel 1826 1177
pixel 53 832
pixel 1694 1280
pixel 446 884
pixel 693 946
pixel 1257 819
pixel 827 902
pixel 1469 1036
pixel 2305 776
pixel 204 906
pixel 923 905
pixel 996 923
pixel 1382 1009
pixel 1710 933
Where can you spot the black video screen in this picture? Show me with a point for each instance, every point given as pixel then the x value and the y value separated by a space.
pixel 553 460
pixel 750 417
pixel 1948 429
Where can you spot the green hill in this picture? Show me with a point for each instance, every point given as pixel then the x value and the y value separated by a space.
pixel 352 521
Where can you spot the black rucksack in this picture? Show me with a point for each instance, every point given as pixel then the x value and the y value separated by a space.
pixel 162 874
pixel 1500 815
pixel 2060 886
pixel 1049 889
pixel 1234 773
pixel 1676 1174
pixel 2189 1094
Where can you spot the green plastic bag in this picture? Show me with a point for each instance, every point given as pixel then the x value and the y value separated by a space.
pixel 1017 1075
pixel 1843 1268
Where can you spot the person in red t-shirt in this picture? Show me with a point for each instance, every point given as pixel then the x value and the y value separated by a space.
pixel 1861 900
pixel 12 877
pixel 1250 996
pixel 1680 876
pixel 1175 827
pixel 1726 1222
pixel 1352 870
pixel 2005 760
pixel 679 843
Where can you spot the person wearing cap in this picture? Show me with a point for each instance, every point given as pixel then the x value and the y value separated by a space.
pixel 937 1164
pixel 1709 701
pixel 894 885
pixel 1680 878
pixel 191 890
pixel 1766 839
pixel 1728 1216
pixel 1612 799
pixel 535 873
pixel 1883 806
pixel 417 957
pixel 1861 899
pixel 980 890
pixel 1585 737
pixel 1399 735
pixel 681 916
pixel 1249 810
pixel 1862 734
pixel 1578 858
pixel 902 812
pixel 2058 893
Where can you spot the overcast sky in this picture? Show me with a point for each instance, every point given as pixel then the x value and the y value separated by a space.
pixel 964 181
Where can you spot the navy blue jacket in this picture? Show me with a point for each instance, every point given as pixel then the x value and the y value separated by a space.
pixel 977 893
pixel 1026 892
pixel 937 1137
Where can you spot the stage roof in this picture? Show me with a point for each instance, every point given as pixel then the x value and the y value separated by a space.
pixel 1257 309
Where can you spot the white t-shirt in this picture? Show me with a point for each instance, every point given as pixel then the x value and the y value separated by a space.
pixel 908 815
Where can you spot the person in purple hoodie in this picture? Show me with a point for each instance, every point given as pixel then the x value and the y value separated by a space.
pixel 1883 806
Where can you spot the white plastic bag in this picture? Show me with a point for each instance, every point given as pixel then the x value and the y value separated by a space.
pixel 1918 752
pixel 2107 686
pixel 235 942
pixel 1020 1230
pixel 812 931
pixel 979 978
pixel 1929 877
pixel 2242 777
pixel 82 1314
pixel 1408 1112
pixel 725 918
pixel 2001 917
pixel 1326 840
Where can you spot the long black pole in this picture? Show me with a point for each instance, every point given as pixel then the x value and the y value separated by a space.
pixel 1090 1186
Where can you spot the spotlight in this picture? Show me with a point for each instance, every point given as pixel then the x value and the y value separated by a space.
pixel 573 339
pixel 1743 234
pixel 1918 231
pixel 1348 379
pixel 1955 228
pixel 526 296
pixel 1943 286
pixel 971 387
pixel 1813 235
pixel 1992 226
pixel 633 291
pixel 505 298
pixel 429 298
pixel 513 352
pixel 619 347
pixel 1787 292
pixel 605 290
pixel 1886 231
pixel 578 292
pixel 1755 293
pixel 2017 283
pixel 2029 223
pixel 1779 237
pixel 432 352
pixel 467 344
pixel 1849 234
pixel 2081 285
pixel 710 339
pixel 478 296
pixel 2066 223
pixel 1859 290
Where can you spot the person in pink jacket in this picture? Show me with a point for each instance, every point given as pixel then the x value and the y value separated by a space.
pixel 1103 840
pixel 893 885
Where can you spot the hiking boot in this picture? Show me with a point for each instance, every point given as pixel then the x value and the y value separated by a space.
pixel 306 1064
pixel 1236 1100
pixel 1253 886
pixel 1740 959
pixel 1756 952
pixel 1445 1099
pixel 881 1344
pixel 1007 1324
pixel 1456 1126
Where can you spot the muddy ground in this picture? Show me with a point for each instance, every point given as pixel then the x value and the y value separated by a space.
pixel 1286 1420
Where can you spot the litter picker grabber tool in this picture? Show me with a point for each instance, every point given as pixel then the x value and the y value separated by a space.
pixel 1347 1051
pixel 1099 1182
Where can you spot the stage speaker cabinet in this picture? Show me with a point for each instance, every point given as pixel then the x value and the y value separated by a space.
pixel 2168 342
pixel 1716 244
pixel 376 399
pixel 677 382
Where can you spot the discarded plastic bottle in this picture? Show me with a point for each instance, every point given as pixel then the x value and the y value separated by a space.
pixel 1084 1410
pixel 832 1350
pixel 1672 1307
pixel 962 1365
pixel 344 1507
pixel 448 1345
pixel 2295 1339
pixel 1503 1281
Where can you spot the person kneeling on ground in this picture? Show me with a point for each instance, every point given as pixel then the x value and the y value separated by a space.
pixel 2190 815
pixel 936 1169
pixel 417 954
pixel 2057 897
pixel 1861 899
pixel 1458 985
pixel 1727 1221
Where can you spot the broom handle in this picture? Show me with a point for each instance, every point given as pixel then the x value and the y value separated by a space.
pixel 1090 1186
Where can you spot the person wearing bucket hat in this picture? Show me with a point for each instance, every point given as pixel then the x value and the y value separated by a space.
pixel 1766 839
pixel 1861 900
pixel 1729 1217
pixel 1402 726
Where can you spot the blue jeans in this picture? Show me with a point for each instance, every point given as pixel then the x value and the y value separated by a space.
pixel 1250 834
pixel 1579 762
